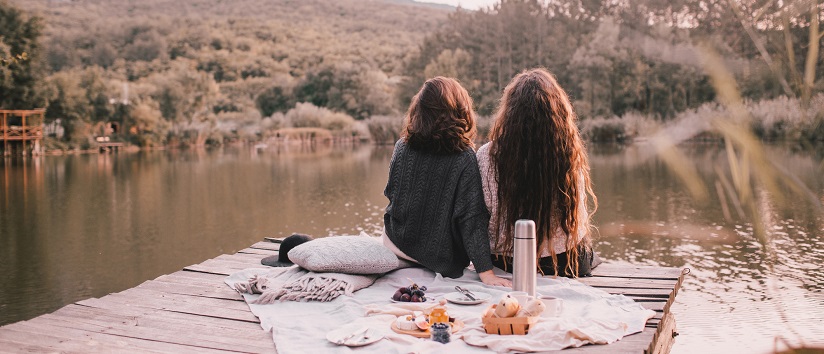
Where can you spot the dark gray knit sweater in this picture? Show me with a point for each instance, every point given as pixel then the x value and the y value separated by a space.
pixel 436 211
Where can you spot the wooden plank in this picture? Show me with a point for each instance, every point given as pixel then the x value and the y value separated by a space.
pixel 194 335
pixel 204 276
pixel 258 251
pixel 182 278
pixel 662 293
pixel 115 301
pixel 9 347
pixel 631 271
pixel 251 260
pixel 221 292
pixel 176 317
pixel 222 267
pixel 140 293
pixel 266 246
pixel 617 282
pixel 167 321
pixel 215 284
pixel 664 337
pixel 59 338
pixel 213 269
pixel 655 306
pixel 274 239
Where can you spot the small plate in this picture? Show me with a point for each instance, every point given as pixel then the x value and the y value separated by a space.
pixel 356 341
pixel 461 299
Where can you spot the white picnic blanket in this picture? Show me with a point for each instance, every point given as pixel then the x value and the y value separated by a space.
pixel 589 315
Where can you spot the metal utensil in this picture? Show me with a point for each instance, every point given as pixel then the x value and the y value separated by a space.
pixel 361 331
pixel 466 293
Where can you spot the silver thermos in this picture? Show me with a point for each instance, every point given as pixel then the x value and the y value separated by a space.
pixel 524 268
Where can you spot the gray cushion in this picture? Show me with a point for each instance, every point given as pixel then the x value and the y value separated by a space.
pixel 345 254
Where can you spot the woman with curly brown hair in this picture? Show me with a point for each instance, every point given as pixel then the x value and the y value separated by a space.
pixel 535 167
pixel 436 214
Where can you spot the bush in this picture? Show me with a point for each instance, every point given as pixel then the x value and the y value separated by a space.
pixel 783 118
pixel 384 129
pixel 307 115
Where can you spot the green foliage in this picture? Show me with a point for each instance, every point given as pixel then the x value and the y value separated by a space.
pixel 202 69
pixel 274 99
pixel 21 73
pixel 198 68
pixel 617 58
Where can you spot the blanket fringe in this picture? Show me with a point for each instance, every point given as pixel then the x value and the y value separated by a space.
pixel 307 289
pixel 256 285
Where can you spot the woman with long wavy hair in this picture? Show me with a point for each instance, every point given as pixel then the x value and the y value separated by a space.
pixel 535 167
pixel 436 214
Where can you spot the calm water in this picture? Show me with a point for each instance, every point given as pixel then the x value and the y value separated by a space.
pixel 75 227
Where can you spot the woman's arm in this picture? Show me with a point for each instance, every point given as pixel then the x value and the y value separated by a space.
pixel 472 219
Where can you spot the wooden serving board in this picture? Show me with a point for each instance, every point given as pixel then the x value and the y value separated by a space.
pixel 456 326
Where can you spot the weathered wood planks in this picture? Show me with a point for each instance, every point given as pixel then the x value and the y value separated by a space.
pixel 193 311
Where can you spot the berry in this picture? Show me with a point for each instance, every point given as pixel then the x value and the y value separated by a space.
pixel 416 298
pixel 423 288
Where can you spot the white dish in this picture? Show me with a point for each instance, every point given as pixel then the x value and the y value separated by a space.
pixel 369 337
pixel 461 299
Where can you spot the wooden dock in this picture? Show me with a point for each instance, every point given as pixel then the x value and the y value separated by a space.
pixel 193 311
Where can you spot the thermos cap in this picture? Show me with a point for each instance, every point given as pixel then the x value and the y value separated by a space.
pixel 524 229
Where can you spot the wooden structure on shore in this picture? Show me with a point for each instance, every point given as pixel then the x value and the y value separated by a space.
pixel 22 126
pixel 193 311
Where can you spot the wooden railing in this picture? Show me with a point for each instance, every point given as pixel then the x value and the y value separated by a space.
pixel 21 125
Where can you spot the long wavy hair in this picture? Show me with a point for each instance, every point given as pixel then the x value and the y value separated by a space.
pixel 541 165
pixel 440 119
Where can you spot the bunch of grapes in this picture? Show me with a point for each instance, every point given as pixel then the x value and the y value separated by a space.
pixel 412 293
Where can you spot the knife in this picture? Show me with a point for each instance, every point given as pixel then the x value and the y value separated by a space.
pixel 355 333
pixel 466 293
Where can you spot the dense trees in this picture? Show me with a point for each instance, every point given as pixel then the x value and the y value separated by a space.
pixel 616 57
pixel 189 71
pixel 205 69
pixel 21 71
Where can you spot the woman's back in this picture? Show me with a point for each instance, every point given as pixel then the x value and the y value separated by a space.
pixel 537 168
pixel 427 193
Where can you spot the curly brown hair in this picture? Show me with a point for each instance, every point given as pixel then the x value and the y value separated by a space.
pixel 542 165
pixel 440 119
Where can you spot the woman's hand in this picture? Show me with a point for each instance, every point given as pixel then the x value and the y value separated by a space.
pixel 489 278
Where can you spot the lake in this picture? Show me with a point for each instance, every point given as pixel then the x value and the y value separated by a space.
pixel 74 227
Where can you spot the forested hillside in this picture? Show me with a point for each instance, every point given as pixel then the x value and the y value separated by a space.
pixel 209 70
pixel 642 56
pixel 204 67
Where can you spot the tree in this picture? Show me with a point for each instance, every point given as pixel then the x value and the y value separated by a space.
pixel 67 102
pixel 274 99
pixel 21 85
pixel 356 89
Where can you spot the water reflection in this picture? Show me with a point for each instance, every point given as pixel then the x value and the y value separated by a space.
pixel 79 226
pixel 729 304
